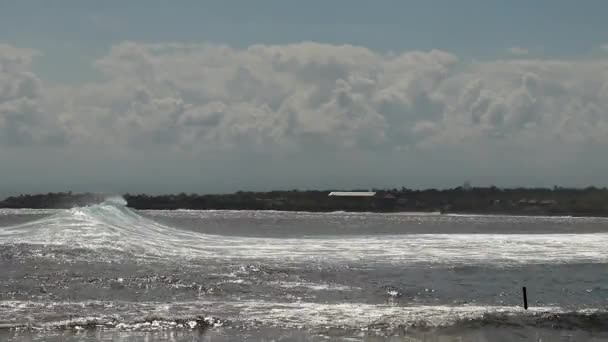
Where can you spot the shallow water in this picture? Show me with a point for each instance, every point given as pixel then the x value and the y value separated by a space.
pixel 107 272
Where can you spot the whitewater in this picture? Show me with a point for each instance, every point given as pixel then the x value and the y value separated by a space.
pixel 108 272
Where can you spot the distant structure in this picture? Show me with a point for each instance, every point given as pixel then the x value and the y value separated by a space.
pixel 352 194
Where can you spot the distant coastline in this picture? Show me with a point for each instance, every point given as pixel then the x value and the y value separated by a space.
pixel 557 201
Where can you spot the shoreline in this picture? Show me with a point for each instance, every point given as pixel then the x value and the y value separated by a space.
pixel 346 212
pixel 412 213
pixel 556 202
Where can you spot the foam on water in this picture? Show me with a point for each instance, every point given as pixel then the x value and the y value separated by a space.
pixel 310 316
pixel 252 283
pixel 111 225
pixel 312 286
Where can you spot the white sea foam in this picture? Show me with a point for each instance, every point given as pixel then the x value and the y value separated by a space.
pixel 111 225
pixel 361 315
pixel 25 212
pixel 312 286
pixel 271 314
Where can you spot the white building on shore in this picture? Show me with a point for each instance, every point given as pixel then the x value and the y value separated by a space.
pixel 352 194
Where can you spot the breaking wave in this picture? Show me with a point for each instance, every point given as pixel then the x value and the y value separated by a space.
pixel 108 225
pixel 112 226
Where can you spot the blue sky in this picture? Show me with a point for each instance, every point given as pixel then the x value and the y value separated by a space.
pixel 71 32
pixel 561 26
pixel 301 94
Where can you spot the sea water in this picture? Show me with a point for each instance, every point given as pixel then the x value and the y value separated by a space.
pixel 110 273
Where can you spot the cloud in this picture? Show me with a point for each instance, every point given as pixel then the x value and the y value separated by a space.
pixel 308 99
pixel 604 47
pixel 518 51
pixel 22 117
pixel 213 96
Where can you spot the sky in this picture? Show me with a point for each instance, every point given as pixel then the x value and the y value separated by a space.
pixel 219 96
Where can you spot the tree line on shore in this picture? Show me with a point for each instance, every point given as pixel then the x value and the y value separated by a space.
pixel 590 201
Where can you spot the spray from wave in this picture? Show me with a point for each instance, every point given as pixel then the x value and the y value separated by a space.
pixel 118 201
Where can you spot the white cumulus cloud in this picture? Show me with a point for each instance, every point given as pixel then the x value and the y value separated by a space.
pixel 23 119
pixel 313 98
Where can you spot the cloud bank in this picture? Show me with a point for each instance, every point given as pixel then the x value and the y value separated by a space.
pixel 420 110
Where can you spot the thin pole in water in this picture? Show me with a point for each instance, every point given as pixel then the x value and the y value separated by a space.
pixel 525 298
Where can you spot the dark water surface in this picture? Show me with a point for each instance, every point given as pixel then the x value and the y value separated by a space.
pixel 108 273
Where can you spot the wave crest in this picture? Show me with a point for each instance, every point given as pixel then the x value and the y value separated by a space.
pixel 107 225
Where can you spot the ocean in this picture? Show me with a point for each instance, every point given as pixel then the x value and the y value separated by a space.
pixel 110 273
